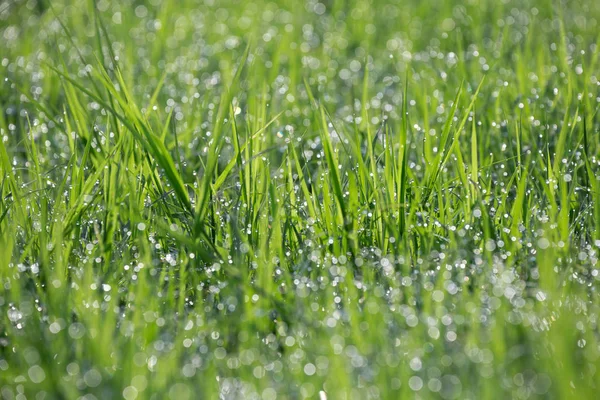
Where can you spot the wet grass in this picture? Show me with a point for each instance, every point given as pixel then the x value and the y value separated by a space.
pixel 293 199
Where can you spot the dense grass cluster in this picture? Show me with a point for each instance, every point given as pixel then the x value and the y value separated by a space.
pixel 360 199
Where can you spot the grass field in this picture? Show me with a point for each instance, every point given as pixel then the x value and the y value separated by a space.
pixel 353 199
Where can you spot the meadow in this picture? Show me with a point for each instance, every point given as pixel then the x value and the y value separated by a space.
pixel 299 199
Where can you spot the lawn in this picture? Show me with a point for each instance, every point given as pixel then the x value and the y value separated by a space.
pixel 290 199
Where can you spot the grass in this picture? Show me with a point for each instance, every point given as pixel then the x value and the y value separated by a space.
pixel 348 199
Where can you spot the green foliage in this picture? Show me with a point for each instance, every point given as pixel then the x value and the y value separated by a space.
pixel 294 199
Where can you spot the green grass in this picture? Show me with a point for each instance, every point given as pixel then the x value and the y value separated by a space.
pixel 344 200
